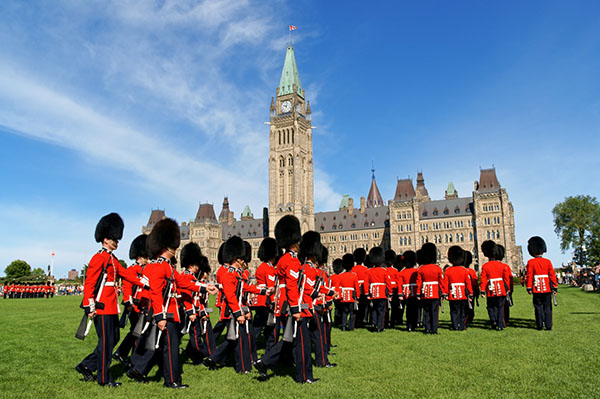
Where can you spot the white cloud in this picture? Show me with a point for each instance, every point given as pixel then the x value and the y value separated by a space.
pixel 326 198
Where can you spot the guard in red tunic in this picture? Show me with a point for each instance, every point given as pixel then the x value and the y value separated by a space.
pixel 458 286
pixel 336 265
pixel 474 284
pixel 262 305
pixel 407 284
pixel 430 287
pixel 100 298
pixel 360 254
pixel 541 282
pixel 495 283
pixel 509 299
pixel 163 241
pixel 394 311
pixel 138 253
pixel 350 291
pixel 380 287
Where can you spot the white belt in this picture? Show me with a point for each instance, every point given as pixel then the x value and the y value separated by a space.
pixel 109 284
pixel 429 282
pixel 409 285
pixel 372 284
pixel 455 284
pixel 495 279
pixel 261 286
pixel 347 289
pixel 540 276
pixel 282 285
pixel 361 281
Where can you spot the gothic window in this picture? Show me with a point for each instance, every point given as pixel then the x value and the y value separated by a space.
pixel 488 235
pixel 281 162
pixel 292 135
pixel 457 210
pixel 435 212
pixel 446 211
pixel 290 160
pixel 279 131
pixel 288 135
pixel 424 213
pixel 470 236
pixel 498 234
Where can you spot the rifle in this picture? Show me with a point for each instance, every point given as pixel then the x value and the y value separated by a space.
pixel 273 304
pixel 554 298
pixel 86 322
pixel 441 300
pixel 124 317
pixel 168 294
pixel 509 298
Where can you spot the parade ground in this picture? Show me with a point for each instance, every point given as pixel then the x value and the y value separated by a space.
pixel 38 352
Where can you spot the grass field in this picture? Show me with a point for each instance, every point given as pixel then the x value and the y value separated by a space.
pixel 38 352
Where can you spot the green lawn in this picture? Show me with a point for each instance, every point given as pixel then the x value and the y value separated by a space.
pixel 38 352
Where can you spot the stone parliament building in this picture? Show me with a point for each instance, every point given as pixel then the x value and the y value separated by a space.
pixel 407 221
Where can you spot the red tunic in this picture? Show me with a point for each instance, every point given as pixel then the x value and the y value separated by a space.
pixel 265 278
pixel 335 283
pixel 379 282
pixel 128 288
pixel 394 275
pixel 288 271
pixel 222 269
pixel 540 276
pixel 407 282
pixel 495 278
pixel 361 273
pixel 234 286
pixel 109 292
pixel 430 281
pixel 457 283
pixel 349 287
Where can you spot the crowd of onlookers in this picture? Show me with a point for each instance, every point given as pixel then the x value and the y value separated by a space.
pixel 587 277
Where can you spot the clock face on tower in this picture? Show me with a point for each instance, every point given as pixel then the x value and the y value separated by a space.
pixel 286 106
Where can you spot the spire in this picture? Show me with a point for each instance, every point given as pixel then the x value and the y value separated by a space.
pixel 421 189
pixel 374 198
pixel 451 191
pixel 246 214
pixel 290 79
pixel 488 180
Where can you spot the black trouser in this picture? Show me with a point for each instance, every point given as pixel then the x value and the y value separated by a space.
pixel 495 308
pixel 457 314
pixel 219 327
pixel 202 339
pixel 395 317
pixel 169 341
pixel 337 312
pixel 318 336
pixel 378 314
pixel 412 313
pixel 542 303
pixel 142 359
pixel 241 347
pixel 328 324
pixel 348 316
pixel 107 328
pixel 363 311
pixel 129 340
pixel 302 356
pixel 259 322
pixel 430 314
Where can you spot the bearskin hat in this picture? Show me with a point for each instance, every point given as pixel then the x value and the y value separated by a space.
pixel 429 253
pixel 287 231
pixel 348 262
pixel 203 266
pixel 390 256
pixel 359 256
pixel 377 256
pixel 310 246
pixel 138 247
pixel 248 252
pixel 337 266
pixel 165 234
pixel 536 246
pixel 468 259
pixel 489 249
pixel 367 263
pixel 500 252
pixel 268 249
pixel 456 255
pixel 409 259
pixel 110 226
pixel 324 255
pixel 220 254
pixel 190 255
pixel 233 249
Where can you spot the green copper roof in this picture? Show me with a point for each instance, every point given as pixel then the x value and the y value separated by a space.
pixel 246 212
pixel 450 190
pixel 289 75
pixel 345 201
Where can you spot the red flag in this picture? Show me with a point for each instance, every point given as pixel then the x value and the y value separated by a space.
pixel 52 253
pixel 292 27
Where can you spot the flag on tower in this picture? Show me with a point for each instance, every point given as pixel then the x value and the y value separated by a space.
pixel 292 27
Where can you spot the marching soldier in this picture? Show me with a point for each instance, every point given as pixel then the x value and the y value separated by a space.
pixel 361 271
pixel 100 299
pixel 510 288
pixel 390 257
pixel 458 286
pixel 430 287
pixel 407 285
pixel 474 284
pixel 380 286
pixel 350 291
pixel 495 280
pixel 541 282
pixel 336 265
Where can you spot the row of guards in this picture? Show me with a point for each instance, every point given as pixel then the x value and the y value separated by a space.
pixel 17 290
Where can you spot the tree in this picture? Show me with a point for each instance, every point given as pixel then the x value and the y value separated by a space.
pixel 38 273
pixel 577 224
pixel 16 269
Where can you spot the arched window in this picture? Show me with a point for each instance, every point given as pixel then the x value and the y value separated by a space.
pixel 498 234
pixel 290 161
pixel 292 135
pixel 279 131
pixel 288 135
pixel 281 162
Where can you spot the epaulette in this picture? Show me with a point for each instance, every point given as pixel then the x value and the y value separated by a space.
pixel 232 269
pixel 292 253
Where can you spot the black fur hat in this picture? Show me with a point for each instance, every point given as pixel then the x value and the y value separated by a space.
pixel 268 249
pixel 138 247
pixel 165 234
pixel 367 262
pixel 190 255
pixel 377 256
pixel 456 255
pixel 324 255
pixel 310 246
pixel 409 259
pixel 501 252
pixel 429 253
pixel 110 226
pixel 489 249
pixel 203 266
pixel 348 262
pixel 359 256
pixel 468 259
pixel 287 231
pixel 220 254
pixel 233 249
pixel 337 266
pixel 390 256
pixel 248 252
pixel 536 246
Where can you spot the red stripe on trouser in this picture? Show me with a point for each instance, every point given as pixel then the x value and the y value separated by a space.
pixel 241 353
pixel 303 363
pixel 321 341
pixel 103 347
pixel 250 347
pixel 169 346
pixel 208 343
pixel 196 338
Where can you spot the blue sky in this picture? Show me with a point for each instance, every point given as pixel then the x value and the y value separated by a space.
pixel 128 106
